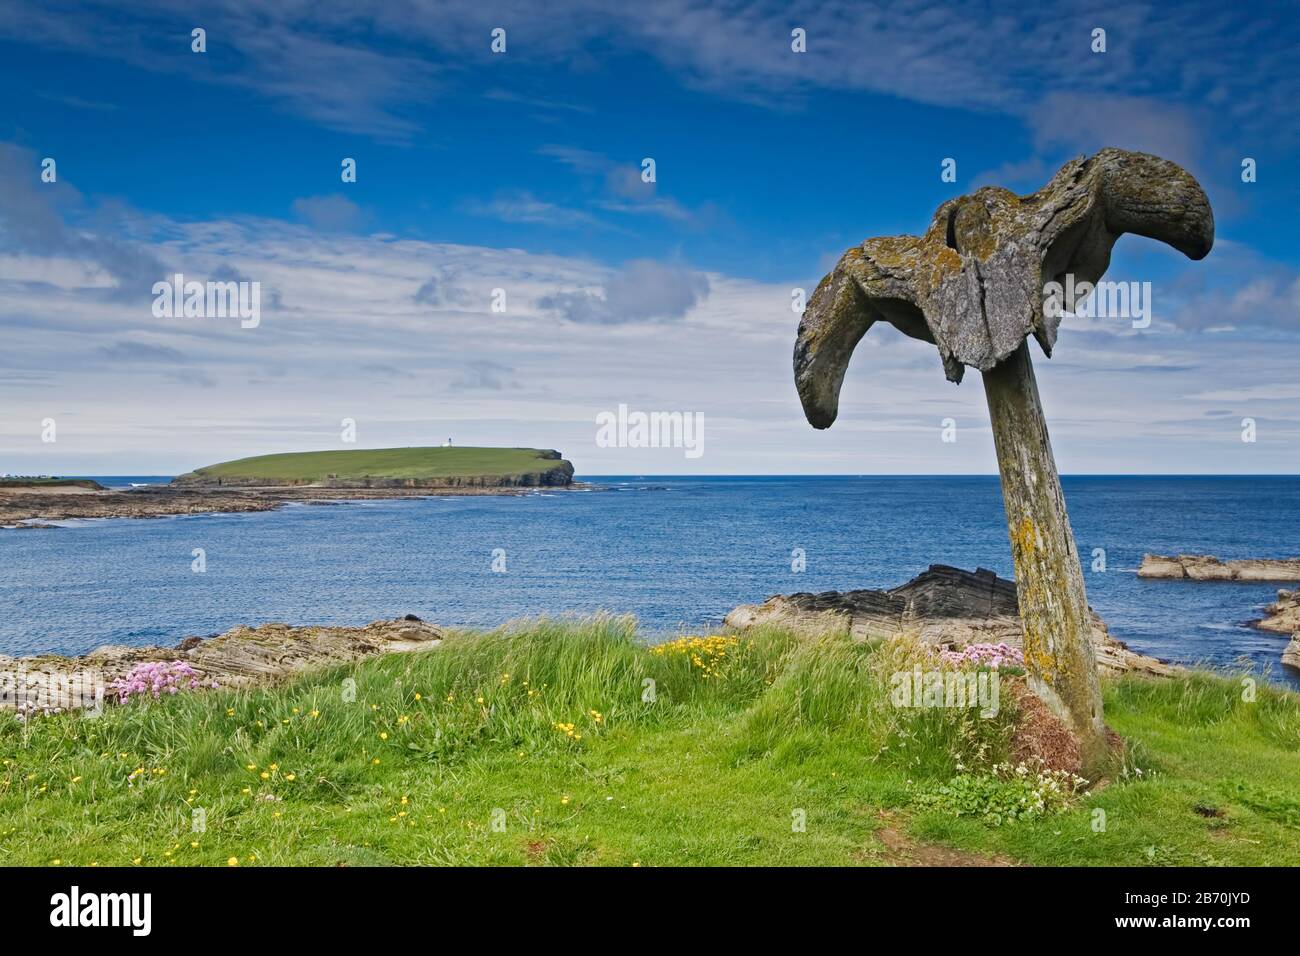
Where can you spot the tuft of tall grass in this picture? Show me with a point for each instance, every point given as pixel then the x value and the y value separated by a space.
pixel 1205 699
pixel 537 686
pixel 832 687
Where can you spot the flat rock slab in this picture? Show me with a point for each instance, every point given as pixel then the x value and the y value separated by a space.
pixel 240 657
pixel 1201 567
pixel 161 501
pixel 1283 615
pixel 944 606
pixel 61 504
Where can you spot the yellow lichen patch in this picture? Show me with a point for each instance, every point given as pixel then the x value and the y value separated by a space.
pixel 926 261
pixel 894 252
pixel 975 233
pixel 1024 538
pixel 943 263
pixel 1038 660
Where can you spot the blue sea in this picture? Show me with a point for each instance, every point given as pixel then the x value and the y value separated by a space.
pixel 676 552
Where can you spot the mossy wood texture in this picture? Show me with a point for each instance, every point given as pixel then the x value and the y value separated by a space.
pixel 1060 661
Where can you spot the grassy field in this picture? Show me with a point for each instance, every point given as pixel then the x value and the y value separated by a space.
pixel 385 463
pixel 540 745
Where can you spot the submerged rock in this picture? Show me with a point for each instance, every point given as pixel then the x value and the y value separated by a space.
pixel 943 606
pixel 1202 567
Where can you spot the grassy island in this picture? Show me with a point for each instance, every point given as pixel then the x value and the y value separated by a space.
pixel 392 467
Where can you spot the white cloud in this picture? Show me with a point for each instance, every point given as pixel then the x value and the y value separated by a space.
pixel 330 213
pixel 521 206
pixel 1250 393
pixel 352 337
pixel 624 185
pixel 642 291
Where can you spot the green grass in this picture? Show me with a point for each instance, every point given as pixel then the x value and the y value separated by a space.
pixel 386 463
pixel 713 771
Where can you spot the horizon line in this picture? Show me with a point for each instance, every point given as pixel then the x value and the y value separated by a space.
pixel 844 474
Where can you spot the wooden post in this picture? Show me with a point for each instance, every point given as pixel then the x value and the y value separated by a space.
pixel 1060 660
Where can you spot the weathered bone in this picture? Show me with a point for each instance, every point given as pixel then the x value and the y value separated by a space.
pixel 974 286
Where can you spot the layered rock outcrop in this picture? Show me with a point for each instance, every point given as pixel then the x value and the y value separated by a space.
pixel 944 606
pixel 1283 617
pixel 58 505
pixel 160 501
pixel 1202 567
pixel 239 657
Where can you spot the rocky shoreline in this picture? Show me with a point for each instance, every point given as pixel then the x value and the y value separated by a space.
pixel 1283 617
pixel 32 507
pixel 240 657
pixel 943 606
pixel 1202 567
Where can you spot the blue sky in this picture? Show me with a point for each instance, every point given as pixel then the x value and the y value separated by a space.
pixel 521 171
